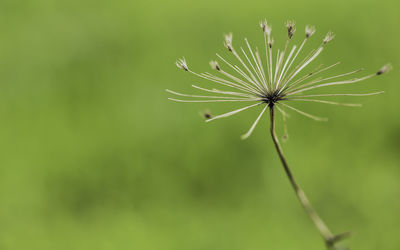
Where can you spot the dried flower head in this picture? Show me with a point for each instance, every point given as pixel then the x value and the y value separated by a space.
pixel 310 30
pixel 290 26
pixel 214 65
pixel 329 37
pixel 386 68
pixel 265 27
pixel 228 41
pixel 274 82
pixel 181 63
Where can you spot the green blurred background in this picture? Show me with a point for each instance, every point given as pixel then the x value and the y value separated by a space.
pixel 94 156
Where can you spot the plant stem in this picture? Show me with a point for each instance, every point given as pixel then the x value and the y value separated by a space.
pixel 328 237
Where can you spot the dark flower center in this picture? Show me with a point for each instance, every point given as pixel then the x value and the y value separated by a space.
pixel 272 98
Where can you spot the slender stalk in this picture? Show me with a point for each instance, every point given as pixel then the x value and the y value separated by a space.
pixel 329 238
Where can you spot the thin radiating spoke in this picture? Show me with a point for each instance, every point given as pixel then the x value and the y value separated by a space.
pixel 244 75
pixel 309 75
pixel 295 56
pixel 245 66
pixel 282 111
pixel 326 79
pixel 323 95
pixel 204 96
pixel 237 82
pixel 332 83
pixel 259 78
pixel 301 67
pixel 233 112
pixel 286 63
pixel 245 136
pixel 222 92
pixel 225 82
pixel 316 118
pixel 326 102
pixel 224 100
pixel 258 65
pixel 262 69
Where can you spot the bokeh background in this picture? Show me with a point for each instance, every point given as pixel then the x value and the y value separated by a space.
pixel 94 156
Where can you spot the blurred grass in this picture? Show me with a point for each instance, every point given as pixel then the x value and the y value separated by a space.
pixel 95 157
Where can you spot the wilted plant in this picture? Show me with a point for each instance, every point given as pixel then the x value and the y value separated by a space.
pixel 272 84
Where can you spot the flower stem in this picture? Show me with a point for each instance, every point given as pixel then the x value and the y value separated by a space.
pixel 328 237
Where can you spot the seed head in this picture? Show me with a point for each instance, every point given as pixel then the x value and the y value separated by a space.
pixel 329 37
pixel 271 42
pixel 228 41
pixel 386 68
pixel 310 30
pixel 274 84
pixel 265 27
pixel 290 25
pixel 215 65
pixel 181 63
pixel 207 115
